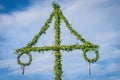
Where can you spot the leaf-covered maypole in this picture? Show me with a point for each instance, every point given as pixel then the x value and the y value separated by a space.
pixel 57 47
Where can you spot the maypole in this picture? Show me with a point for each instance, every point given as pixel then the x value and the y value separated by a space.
pixel 57 47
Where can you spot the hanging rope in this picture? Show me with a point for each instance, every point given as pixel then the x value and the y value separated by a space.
pixel 23 69
pixel 89 68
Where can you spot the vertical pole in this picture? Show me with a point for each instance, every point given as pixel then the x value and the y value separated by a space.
pixel 57 65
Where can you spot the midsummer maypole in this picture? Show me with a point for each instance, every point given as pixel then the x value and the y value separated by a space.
pixel 57 47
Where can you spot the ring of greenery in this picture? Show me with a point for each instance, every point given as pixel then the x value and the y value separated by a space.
pixel 27 63
pixel 93 59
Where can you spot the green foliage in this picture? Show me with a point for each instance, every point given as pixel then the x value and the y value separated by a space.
pixel 58 15
pixel 57 65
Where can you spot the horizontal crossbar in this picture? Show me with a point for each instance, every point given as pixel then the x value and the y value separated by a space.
pixel 55 48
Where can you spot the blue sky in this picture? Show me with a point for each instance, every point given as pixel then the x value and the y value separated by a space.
pixel 7 6
pixel 98 21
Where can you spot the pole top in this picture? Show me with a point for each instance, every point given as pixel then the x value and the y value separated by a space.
pixel 55 5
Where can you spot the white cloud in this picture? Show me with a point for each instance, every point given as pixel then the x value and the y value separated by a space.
pixel 87 17
pixel 41 63
pixel 113 68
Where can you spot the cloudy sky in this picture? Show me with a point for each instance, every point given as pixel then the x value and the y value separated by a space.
pixel 98 21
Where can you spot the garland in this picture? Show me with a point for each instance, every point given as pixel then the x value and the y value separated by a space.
pixel 57 65
pixel 58 15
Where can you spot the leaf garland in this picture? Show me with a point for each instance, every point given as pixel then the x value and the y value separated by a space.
pixel 57 65
pixel 58 15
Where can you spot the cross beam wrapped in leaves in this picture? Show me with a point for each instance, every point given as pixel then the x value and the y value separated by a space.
pixel 57 47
